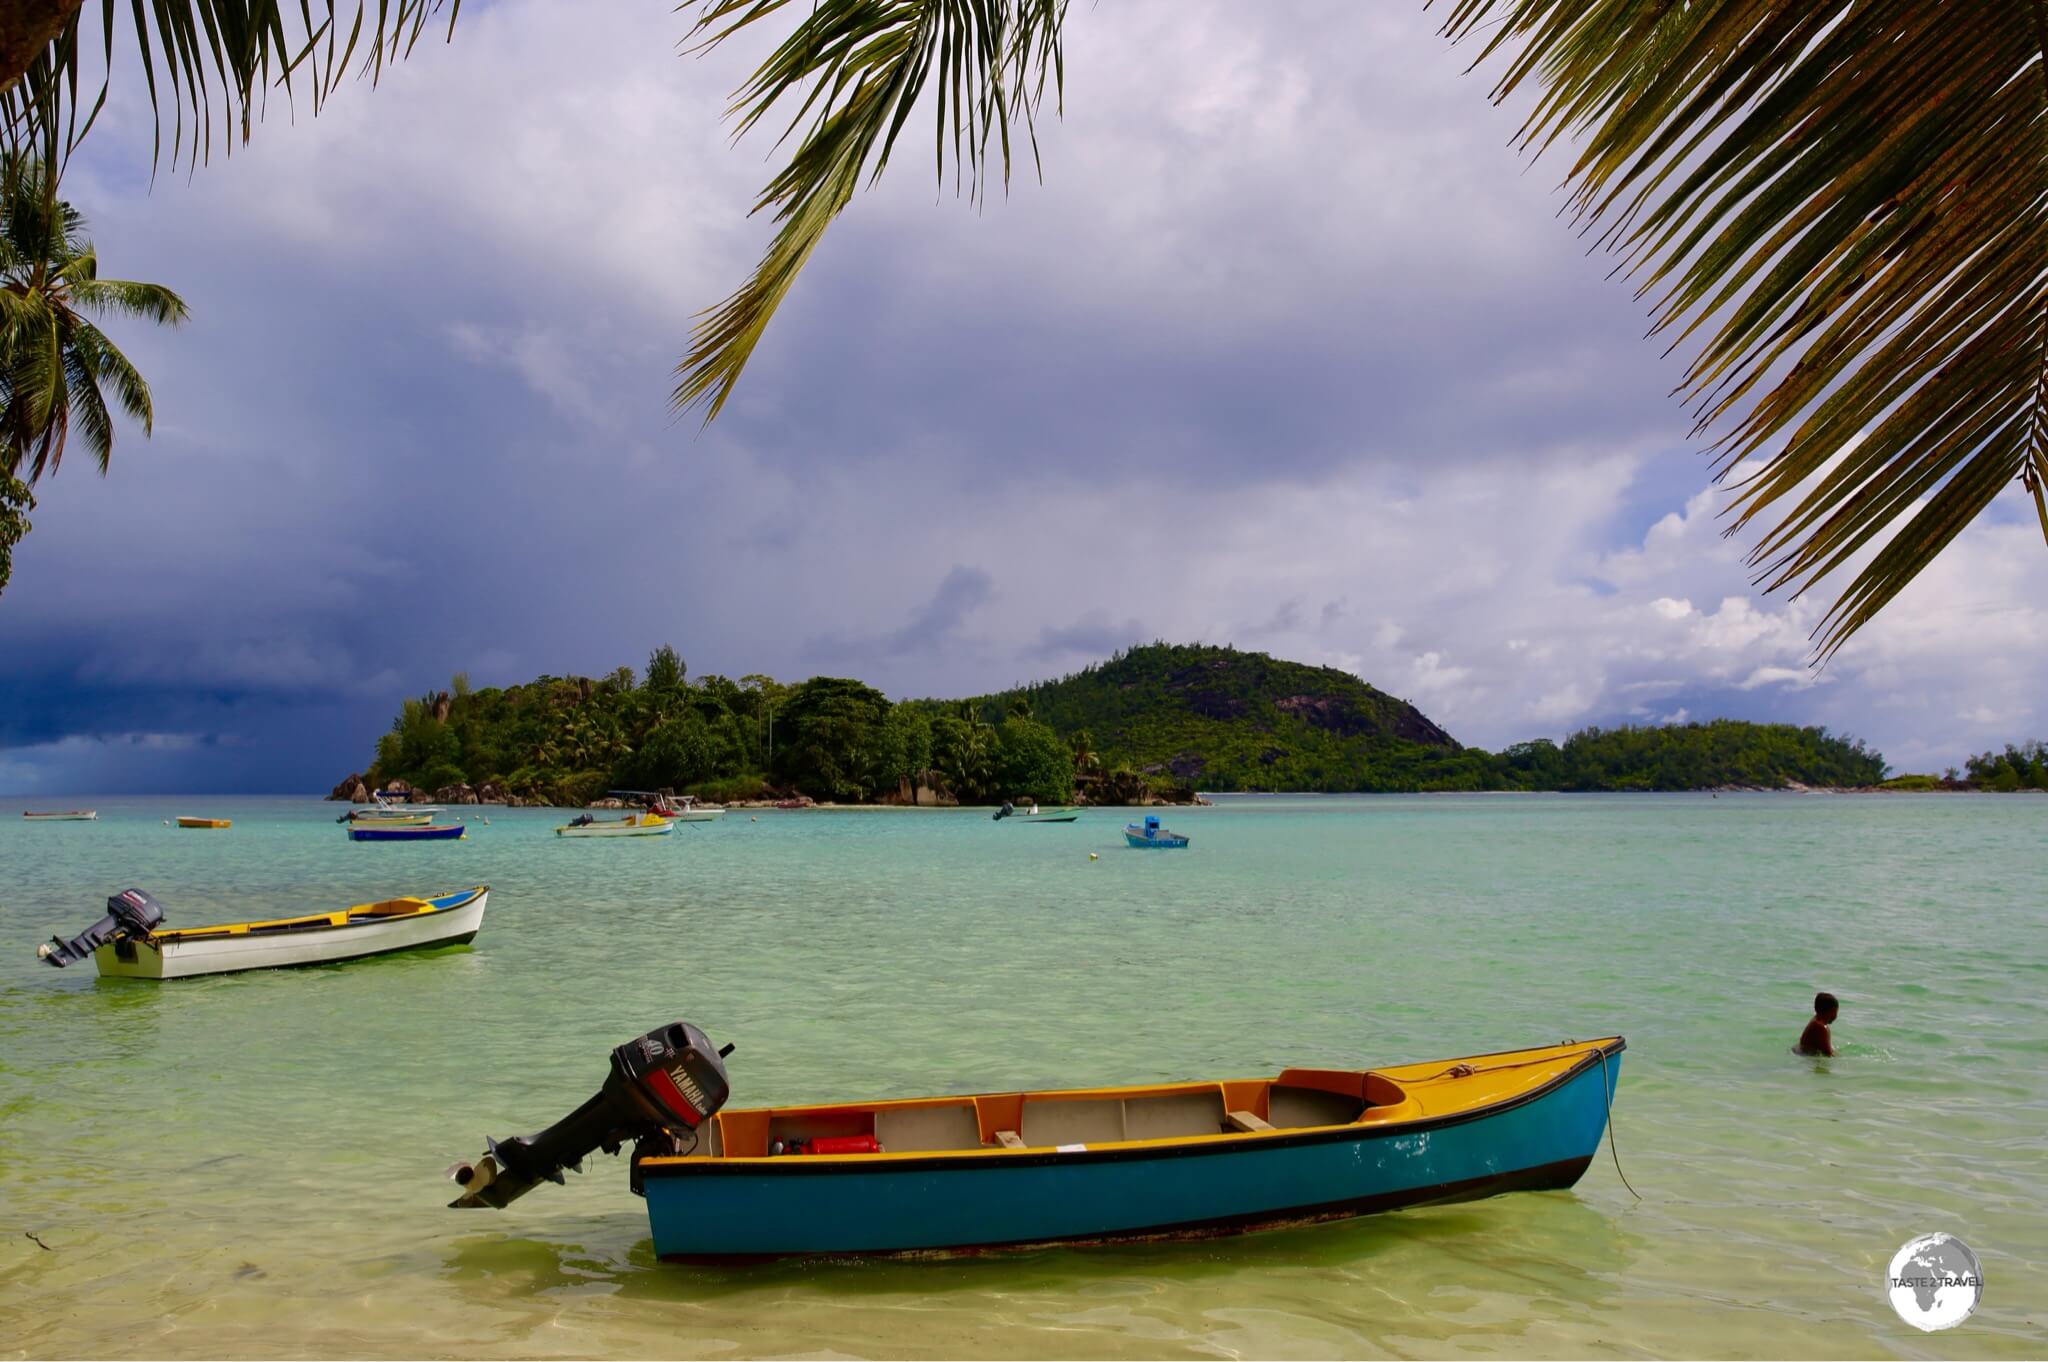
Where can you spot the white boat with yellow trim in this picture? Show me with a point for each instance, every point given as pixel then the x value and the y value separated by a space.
pixel 131 942
pixel 632 825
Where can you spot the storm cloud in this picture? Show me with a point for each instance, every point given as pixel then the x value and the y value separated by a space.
pixel 1289 349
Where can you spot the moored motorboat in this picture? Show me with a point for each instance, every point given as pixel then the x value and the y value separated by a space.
pixel 189 822
pixel 131 942
pixel 63 816
pixel 1033 814
pixel 386 814
pixel 1152 835
pixel 686 809
pixel 632 825
pixel 675 808
pixel 1017 1169
pixel 389 832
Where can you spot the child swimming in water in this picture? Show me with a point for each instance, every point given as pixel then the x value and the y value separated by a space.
pixel 1815 1040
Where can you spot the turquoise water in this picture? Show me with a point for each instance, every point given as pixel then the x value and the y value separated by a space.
pixel 251 1165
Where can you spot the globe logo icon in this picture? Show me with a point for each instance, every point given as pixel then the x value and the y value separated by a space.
pixel 1934 1282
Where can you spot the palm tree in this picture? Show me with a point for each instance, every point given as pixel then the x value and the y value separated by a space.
pixel 1086 759
pixel 53 360
pixel 1842 203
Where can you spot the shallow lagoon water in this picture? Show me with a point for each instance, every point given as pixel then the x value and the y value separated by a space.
pixel 251 1165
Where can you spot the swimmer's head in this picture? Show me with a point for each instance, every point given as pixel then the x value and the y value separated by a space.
pixel 1826 1006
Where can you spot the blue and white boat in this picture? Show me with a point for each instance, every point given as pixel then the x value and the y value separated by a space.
pixel 382 832
pixel 1022 1169
pixel 1152 835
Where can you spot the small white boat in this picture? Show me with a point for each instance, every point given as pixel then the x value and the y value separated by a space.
pixel 387 814
pixel 632 825
pixel 63 816
pixel 686 809
pixel 131 942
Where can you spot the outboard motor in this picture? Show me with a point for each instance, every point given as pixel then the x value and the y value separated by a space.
pixel 669 1080
pixel 1005 811
pixel 130 913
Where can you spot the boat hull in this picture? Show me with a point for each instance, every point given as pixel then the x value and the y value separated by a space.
pixel 205 822
pixel 1141 841
pixel 695 815
pixel 384 833
pixel 661 829
pixel 455 924
pixel 699 1209
pixel 78 816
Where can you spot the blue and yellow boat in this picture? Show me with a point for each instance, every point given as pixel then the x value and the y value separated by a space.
pixel 1023 1169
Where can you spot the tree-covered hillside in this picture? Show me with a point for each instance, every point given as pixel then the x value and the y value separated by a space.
pixel 1221 719
pixel 1159 721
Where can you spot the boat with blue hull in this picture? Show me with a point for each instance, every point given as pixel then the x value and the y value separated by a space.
pixel 435 832
pixel 1023 1169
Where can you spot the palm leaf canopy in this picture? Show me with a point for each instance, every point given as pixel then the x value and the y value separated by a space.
pixel 199 59
pixel 1840 205
pixel 850 73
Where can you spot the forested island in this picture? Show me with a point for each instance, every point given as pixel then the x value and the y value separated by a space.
pixel 1154 723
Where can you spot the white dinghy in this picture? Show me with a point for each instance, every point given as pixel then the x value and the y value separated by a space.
pixel 131 942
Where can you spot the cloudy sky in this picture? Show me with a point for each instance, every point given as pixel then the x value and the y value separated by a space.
pixel 1289 350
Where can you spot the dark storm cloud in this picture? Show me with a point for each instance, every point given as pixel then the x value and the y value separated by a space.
pixel 1288 349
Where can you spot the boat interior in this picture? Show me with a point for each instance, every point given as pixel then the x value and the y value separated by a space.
pixel 1297 1099
pixel 996 1123
pixel 360 914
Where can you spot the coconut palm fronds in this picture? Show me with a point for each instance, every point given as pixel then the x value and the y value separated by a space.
pixel 1842 207
pixel 848 76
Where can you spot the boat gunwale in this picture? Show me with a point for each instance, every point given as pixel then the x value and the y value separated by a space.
pixel 272 928
pixel 1596 1052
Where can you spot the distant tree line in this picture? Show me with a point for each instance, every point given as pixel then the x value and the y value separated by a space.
pixel 569 739
pixel 1242 722
pixel 2021 767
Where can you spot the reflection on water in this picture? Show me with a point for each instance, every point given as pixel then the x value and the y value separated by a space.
pixel 251 1165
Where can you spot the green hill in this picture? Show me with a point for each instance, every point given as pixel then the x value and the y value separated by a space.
pixel 1161 720
pixel 1220 719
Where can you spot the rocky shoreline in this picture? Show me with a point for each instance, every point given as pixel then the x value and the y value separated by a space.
pixel 355 789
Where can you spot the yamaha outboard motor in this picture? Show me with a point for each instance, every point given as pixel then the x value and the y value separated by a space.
pixel 130 913
pixel 669 1080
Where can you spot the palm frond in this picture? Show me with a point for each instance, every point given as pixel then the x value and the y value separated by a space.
pixel 1844 204
pixel 850 75
pixel 203 59
pixel 95 422
pixel 128 298
pixel 106 364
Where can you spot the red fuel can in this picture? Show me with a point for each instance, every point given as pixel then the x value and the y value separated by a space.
pixel 842 1144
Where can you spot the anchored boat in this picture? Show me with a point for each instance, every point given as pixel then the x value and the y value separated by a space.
pixel 400 832
pixel 1034 814
pixel 1017 1169
pixel 386 814
pixel 632 825
pixel 686 809
pixel 63 816
pixel 131 942
pixel 187 822
pixel 1152 835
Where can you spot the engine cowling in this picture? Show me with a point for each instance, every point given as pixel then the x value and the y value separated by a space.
pixel 668 1081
